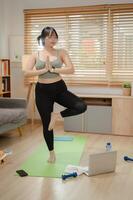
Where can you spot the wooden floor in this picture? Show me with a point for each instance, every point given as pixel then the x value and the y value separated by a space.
pixel 112 186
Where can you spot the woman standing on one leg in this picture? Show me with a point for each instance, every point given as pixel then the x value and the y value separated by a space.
pixel 50 88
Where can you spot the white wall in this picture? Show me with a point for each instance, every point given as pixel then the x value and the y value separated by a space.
pixel 2 27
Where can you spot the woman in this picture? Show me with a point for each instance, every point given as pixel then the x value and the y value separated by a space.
pixel 50 88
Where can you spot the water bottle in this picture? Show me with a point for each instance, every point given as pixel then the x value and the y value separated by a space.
pixel 108 146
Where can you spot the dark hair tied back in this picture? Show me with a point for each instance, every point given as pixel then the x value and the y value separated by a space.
pixel 39 38
pixel 47 31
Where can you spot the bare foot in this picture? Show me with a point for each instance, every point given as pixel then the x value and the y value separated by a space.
pixel 52 157
pixel 54 118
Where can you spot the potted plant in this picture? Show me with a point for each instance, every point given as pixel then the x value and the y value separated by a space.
pixel 126 88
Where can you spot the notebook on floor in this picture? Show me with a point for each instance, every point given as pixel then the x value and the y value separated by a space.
pixel 100 163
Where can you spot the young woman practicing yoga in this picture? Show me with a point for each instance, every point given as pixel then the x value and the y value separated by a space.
pixel 48 64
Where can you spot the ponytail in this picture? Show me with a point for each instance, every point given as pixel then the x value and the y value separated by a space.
pixel 39 38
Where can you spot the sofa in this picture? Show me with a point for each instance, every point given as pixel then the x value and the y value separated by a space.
pixel 13 114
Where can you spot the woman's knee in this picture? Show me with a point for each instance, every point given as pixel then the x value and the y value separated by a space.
pixel 81 107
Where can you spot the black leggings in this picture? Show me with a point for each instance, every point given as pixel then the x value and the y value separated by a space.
pixel 46 95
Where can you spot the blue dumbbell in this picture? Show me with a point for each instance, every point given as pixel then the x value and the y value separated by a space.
pixel 126 158
pixel 65 176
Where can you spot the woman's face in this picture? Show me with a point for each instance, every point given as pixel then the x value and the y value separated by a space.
pixel 51 40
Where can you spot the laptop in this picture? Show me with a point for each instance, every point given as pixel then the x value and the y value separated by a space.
pixel 100 163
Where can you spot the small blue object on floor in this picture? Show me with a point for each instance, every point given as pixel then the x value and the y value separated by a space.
pixel 126 158
pixel 66 176
pixel 63 138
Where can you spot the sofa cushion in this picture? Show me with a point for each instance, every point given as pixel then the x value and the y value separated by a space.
pixel 11 115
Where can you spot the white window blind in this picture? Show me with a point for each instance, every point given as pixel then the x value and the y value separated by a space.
pixel 122 44
pixel 99 39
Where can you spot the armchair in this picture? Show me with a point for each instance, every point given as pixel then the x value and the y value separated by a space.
pixel 13 114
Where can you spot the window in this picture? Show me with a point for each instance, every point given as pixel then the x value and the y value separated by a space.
pixel 122 45
pixel 99 39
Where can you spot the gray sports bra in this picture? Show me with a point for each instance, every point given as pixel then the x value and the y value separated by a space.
pixel 40 64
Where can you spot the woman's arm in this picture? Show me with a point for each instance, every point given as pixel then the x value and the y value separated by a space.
pixel 69 68
pixel 30 70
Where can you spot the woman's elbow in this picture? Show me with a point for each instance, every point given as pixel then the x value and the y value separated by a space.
pixel 72 71
pixel 25 73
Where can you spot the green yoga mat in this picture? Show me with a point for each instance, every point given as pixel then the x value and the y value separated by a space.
pixel 66 153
